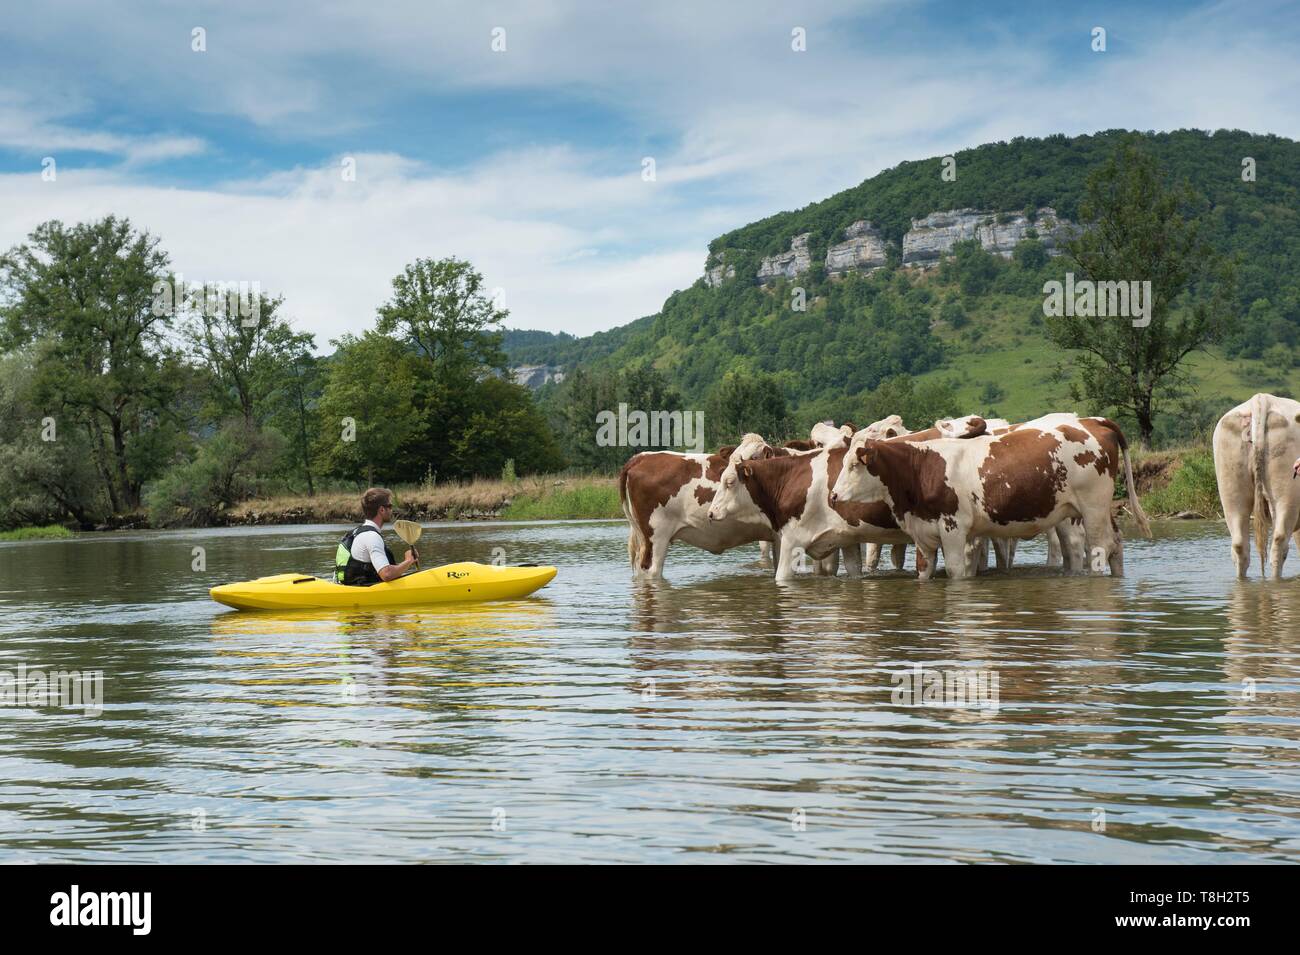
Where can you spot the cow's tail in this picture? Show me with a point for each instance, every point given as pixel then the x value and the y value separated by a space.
pixel 1261 514
pixel 1134 505
pixel 636 541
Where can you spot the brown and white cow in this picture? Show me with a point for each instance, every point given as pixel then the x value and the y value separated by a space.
pixel 791 496
pixel 1254 446
pixel 947 493
pixel 665 497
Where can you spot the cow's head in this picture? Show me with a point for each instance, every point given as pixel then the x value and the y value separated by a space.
pixel 968 427
pixel 890 427
pixel 856 481
pixel 733 500
pixel 751 446
pixel 826 435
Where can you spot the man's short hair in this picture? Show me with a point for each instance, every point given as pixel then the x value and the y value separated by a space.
pixel 373 500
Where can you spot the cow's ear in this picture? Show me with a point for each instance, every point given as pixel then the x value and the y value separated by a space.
pixel 864 453
pixel 744 471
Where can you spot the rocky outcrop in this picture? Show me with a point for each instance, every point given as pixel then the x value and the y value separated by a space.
pixel 933 237
pixel 534 376
pixel 717 271
pixel 865 249
pixel 787 265
pixel 862 251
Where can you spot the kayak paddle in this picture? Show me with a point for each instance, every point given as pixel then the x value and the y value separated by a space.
pixel 410 532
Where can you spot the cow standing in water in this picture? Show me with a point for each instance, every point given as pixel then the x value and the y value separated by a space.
pixel 791 495
pixel 665 497
pixel 946 493
pixel 1256 449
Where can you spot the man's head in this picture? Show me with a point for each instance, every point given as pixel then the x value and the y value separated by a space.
pixel 375 501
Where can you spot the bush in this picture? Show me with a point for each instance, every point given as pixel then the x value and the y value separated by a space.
pixel 224 472
pixel 585 502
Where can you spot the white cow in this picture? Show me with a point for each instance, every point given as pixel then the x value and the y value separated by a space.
pixel 1254 446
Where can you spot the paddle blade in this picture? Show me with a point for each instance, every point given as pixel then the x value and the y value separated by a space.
pixel 408 531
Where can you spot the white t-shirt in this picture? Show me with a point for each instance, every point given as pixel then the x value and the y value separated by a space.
pixel 369 548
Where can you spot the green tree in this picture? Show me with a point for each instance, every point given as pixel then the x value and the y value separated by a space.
pixel 293 404
pixel 367 410
pixel 441 308
pixel 226 470
pixel 247 349
pixel 585 394
pixel 42 481
pixel 1141 229
pixel 504 426
pixel 743 402
pixel 85 297
pixel 918 405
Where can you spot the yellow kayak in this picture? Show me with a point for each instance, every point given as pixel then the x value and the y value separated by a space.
pixel 466 581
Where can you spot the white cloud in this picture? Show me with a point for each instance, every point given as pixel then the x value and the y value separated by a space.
pixel 23 129
pixel 572 233
pixel 332 247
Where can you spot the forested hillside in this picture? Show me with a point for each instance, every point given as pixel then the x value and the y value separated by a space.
pixel 974 324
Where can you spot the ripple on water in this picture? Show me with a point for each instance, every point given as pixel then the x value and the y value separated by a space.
pixel 718 717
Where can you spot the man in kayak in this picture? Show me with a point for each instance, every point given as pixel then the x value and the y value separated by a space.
pixel 362 557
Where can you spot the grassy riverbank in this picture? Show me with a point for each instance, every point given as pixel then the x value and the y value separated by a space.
pixel 526 499
pixel 1177 482
pixel 47 533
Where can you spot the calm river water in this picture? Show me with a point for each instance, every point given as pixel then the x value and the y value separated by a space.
pixel 717 717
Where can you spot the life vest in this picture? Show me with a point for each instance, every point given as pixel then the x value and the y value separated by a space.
pixel 357 573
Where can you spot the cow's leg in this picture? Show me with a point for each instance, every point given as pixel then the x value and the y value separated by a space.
pixel 1055 554
pixel 978 550
pixel 873 557
pixel 658 545
pixel 926 557
pixel 765 553
pixel 829 565
pixel 1074 546
pixel 959 554
pixel 898 555
pixel 1100 536
pixel 1284 522
pixel 1239 529
pixel 1116 559
pixel 852 560
pixel 1004 549
pixel 785 560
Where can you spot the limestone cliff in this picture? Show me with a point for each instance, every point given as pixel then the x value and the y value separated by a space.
pixel 930 238
pixel 933 236
pixel 862 251
pixel 787 264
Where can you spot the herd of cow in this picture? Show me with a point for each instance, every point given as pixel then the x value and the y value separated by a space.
pixel 960 487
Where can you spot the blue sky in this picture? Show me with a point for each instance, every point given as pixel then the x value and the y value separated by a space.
pixel 528 161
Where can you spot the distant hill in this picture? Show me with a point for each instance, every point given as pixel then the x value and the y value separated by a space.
pixel 885 295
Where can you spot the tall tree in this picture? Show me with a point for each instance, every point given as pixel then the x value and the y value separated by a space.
pixel 247 349
pixel 440 307
pixel 743 402
pixel 84 296
pixel 364 429
pixel 1139 229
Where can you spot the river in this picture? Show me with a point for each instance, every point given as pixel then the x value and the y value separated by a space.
pixel 718 717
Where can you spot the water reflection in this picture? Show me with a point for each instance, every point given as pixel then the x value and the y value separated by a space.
pixel 664 721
